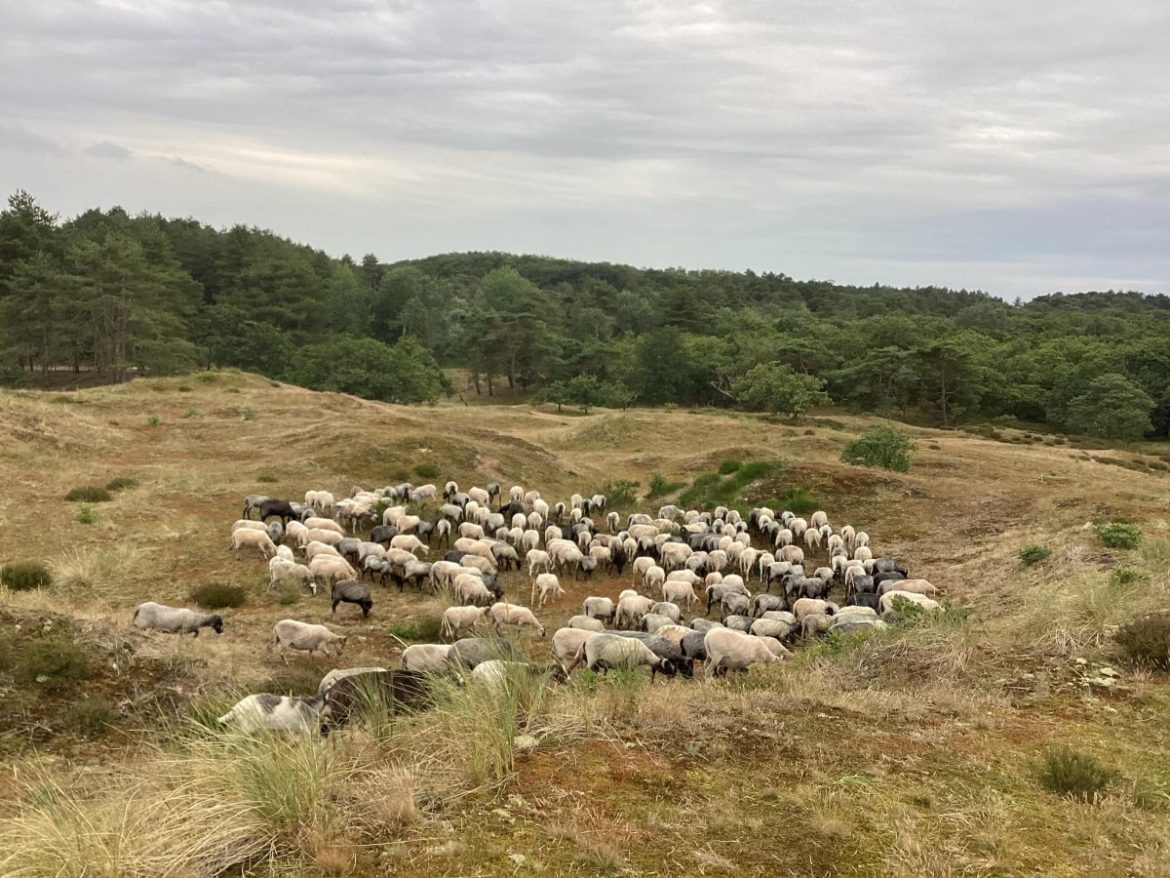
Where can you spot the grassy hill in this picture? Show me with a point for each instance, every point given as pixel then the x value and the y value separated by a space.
pixel 913 753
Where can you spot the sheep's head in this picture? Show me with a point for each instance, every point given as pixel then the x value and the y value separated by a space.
pixel 216 624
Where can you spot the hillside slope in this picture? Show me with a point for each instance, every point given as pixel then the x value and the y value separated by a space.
pixel 908 754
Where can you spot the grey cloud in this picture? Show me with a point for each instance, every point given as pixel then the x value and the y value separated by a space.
pixel 815 137
pixel 108 150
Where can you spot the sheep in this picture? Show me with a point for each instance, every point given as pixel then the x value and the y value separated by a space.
pixel 855 625
pixel 630 611
pixel 284 553
pixel 503 613
pixel 278 713
pixel 668 609
pixel 886 602
pixel 348 591
pixel 808 606
pixel 599 608
pixel 330 568
pixel 738 622
pixel 175 620
pixel 700 624
pixel 427 658
pixel 253 501
pixel 567 641
pixel 733 604
pixel 457 619
pixel 729 650
pixel 762 603
pixel 471 530
pixel 322 535
pixel 324 524
pixel 248 524
pixel 604 651
pixel 304 637
pixel 314 548
pixel 280 569
pixel 651 622
pixel 587 623
pixel 918 586
pixel 654 578
pixel 679 591
pixel 472 651
pixel 471 589
pixel 812 624
pixel 819 518
pixel 352 690
pixel 256 538
pixel 546 588
pixel 537 559
pixel 776 628
pixel 409 542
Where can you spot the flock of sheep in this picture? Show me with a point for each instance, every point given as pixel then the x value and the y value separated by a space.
pixel 678 559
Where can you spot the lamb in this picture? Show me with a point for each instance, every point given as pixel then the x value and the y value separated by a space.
pixel 427 658
pixel 279 713
pixel 256 538
pixel 599 608
pixel 458 619
pixel 604 651
pixel 503 613
pixel 175 620
pixel 305 637
pixel 729 650
pixel 546 588
pixel 348 591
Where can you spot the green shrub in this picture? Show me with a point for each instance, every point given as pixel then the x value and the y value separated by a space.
pixel 426 470
pixel 1119 535
pixel 190 413
pixel 800 501
pixel 154 420
pixel 184 388
pixel 880 446
pixel 420 631
pixel 266 478
pixel 1146 640
pixel 1077 775
pixel 89 718
pixel 86 514
pixel 25 576
pixel 1030 555
pixel 660 487
pixel 218 595
pixel 1122 576
pixel 121 483
pixel 729 466
pixel 621 494
pixel 54 665
pixel 89 494
pixel 207 377
pixel 249 414
pixel 293 679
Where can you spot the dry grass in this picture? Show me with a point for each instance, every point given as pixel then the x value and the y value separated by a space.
pixel 909 753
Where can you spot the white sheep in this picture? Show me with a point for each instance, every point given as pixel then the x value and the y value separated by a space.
pixel 537 559
pixel 654 578
pixel 546 588
pixel 470 589
pixel 587 623
pixel 679 592
pixel 278 713
pixel 329 568
pixel 639 568
pixel 324 524
pixel 567 641
pixel 808 606
pixel 729 650
pixel 459 619
pixel 409 542
pixel 631 609
pixel 305 637
pixel 503 613
pixel 175 620
pixel 604 651
pixel 427 658
pixel 918 586
pixel 281 568
pixel 598 608
pixel 886 601
pixel 255 538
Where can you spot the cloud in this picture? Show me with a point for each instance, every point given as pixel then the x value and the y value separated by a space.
pixel 998 145
pixel 107 150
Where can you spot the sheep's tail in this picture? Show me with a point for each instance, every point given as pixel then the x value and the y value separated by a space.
pixel 134 618
pixel 578 657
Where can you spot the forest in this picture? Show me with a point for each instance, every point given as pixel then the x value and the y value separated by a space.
pixel 118 295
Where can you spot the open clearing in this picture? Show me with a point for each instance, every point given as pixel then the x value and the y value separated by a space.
pixel 912 753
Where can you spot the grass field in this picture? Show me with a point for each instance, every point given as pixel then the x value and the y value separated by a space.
pixel 919 752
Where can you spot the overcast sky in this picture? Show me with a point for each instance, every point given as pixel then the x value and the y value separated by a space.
pixel 1018 147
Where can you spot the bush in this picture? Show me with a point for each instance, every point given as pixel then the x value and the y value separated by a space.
pixel 122 483
pixel 1119 535
pixel 620 494
pixel 54 665
pixel 880 446
pixel 89 494
pixel 421 631
pixel 25 576
pixel 729 466
pixel 660 487
pixel 426 470
pixel 154 420
pixel 1146 640
pixel 184 388
pixel 89 718
pixel 1076 775
pixel 218 595
pixel 1030 555
pixel 266 478
pixel 1127 576
pixel 800 501
pixel 86 514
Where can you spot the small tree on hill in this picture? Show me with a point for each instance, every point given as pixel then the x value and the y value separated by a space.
pixel 776 387
pixel 1112 407
pixel 880 446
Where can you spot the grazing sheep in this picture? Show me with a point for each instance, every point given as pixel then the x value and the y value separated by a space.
pixel 279 713
pixel 739 622
pixel 253 501
pixel 567 641
pixel 349 591
pixel 587 623
pixel 409 542
pixel 807 606
pixel 472 651
pixel 604 651
pixel 256 538
pixel 175 620
pixel 351 690
pixel 886 601
pixel 330 568
pixel 729 650
pixel 856 625
pixel 546 588
pixel 777 628
pixel 918 586
pixel 458 619
pixel 677 592
pixel 654 577
pixel 651 622
pixel 280 569
pixel 812 624
pixel 669 609
pixel 305 637
pixel 733 604
pixel 503 613
pixel 471 589
pixel 285 553
pixel 630 611
pixel 599 608
pixel 324 524
pixel 427 658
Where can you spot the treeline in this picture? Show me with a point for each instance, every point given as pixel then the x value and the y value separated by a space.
pixel 112 292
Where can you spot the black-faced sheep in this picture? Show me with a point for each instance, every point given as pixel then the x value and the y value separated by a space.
pixel 175 620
